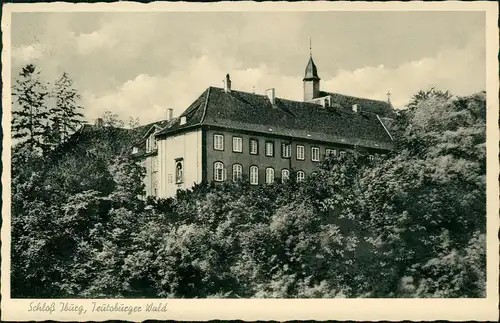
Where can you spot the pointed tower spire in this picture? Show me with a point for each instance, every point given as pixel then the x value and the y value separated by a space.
pixel 311 78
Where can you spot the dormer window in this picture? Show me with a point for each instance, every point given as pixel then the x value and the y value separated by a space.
pixel 183 120
pixel 135 150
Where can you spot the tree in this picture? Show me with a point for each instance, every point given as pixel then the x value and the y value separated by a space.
pixel 65 114
pixel 133 123
pixel 427 202
pixel 128 176
pixel 30 113
pixel 111 119
pixel 425 95
pixel 411 224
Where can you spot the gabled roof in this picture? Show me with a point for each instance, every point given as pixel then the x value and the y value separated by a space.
pixel 382 108
pixel 254 112
pixel 146 129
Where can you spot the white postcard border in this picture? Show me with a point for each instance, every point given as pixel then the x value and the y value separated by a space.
pixel 273 309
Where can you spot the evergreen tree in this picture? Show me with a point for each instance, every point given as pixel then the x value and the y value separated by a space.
pixel 30 113
pixel 65 115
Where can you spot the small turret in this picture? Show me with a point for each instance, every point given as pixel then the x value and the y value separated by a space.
pixel 311 81
pixel 311 78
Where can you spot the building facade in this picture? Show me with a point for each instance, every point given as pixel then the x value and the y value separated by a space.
pixel 227 135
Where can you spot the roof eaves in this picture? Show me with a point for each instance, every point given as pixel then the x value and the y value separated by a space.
pixel 166 132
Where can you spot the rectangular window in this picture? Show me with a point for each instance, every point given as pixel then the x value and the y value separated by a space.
pixel 300 176
pixel 219 172
pixel 218 142
pixel 269 175
pixel 300 152
pixel 254 147
pixel 254 175
pixel 314 153
pixel 285 175
pixel 237 144
pixel 155 164
pixel 155 188
pixel 269 148
pixel 286 150
pixel 330 152
pixel 237 172
pixel 150 143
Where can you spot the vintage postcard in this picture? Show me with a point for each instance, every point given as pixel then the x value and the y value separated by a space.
pixel 253 161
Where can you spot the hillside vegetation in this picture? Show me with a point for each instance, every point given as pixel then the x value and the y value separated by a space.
pixel 409 224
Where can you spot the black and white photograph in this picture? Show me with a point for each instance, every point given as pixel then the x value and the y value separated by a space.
pixel 249 155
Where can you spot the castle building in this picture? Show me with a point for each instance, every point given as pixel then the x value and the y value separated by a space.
pixel 226 133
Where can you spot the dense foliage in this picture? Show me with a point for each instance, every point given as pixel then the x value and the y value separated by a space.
pixel 30 113
pixel 409 224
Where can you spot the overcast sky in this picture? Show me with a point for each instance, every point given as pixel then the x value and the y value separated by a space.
pixel 140 64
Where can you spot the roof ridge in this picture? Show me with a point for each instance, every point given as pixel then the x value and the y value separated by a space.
pixel 150 126
pixel 383 125
pixel 355 97
pixel 264 95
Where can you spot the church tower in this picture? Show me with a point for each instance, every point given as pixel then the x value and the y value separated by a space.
pixel 311 81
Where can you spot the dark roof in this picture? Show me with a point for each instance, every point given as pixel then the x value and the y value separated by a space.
pixel 88 128
pixel 311 71
pixel 254 112
pixel 143 130
pixel 382 108
pixel 140 131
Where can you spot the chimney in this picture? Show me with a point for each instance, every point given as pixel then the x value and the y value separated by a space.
pixel 271 95
pixel 355 108
pixel 227 84
pixel 170 113
pixel 99 122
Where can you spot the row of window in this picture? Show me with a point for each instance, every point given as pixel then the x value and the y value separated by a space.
pixel 286 148
pixel 220 174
